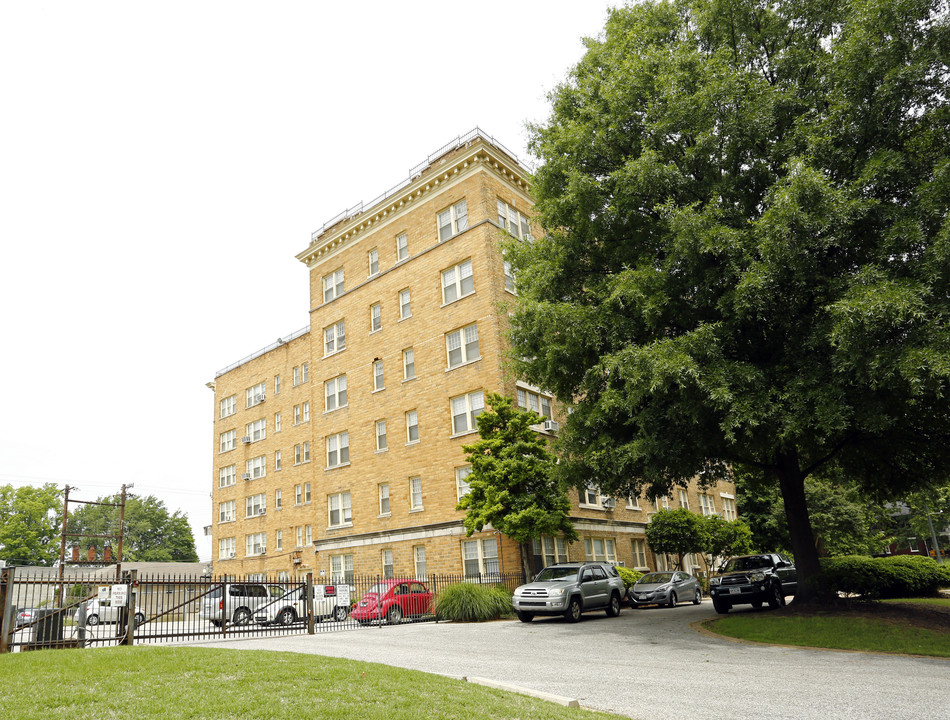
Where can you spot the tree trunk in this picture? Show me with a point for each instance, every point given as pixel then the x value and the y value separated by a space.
pixel 792 484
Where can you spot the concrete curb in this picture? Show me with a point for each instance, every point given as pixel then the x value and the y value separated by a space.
pixel 558 699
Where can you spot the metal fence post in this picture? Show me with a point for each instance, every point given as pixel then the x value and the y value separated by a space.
pixel 308 599
pixel 130 609
pixel 6 608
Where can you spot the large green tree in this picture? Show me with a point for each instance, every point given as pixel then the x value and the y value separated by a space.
pixel 512 486
pixel 748 249
pixel 152 533
pixel 30 524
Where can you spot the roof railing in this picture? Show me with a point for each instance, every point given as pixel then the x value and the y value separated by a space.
pixel 280 341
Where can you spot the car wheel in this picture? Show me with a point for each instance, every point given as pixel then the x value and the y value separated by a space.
pixel 757 604
pixel 340 613
pixel 613 610
pixel 216 623
pixel 287 616
pixel 776 599
pixel 242 616
pixel 721 607
pixel 92 619
pixel 573 612
pixel 394 615
pixel 524 617
pixel 672 601
pixel 698 597
pixel 138 619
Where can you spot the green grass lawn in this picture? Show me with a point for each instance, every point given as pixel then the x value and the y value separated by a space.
pixel 938 602
pixel 837 630
pixel 190 683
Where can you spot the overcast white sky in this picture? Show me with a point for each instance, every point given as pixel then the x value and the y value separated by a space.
pixel 161 163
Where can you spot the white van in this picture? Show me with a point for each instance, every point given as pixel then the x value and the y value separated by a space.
pixel 234 603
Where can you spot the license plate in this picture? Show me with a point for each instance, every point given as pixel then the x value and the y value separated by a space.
pixel 734 591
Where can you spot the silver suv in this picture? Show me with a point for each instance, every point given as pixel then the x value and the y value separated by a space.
pixel 570 589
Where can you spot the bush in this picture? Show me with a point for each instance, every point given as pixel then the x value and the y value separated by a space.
pixel 468 602
pixel 628 576
pixel 884 577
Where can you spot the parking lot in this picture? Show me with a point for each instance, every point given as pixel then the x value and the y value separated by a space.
pixel 648 663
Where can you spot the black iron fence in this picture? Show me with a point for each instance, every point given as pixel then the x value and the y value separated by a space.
pixel 42 611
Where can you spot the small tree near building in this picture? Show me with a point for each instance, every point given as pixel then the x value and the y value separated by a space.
pixel 676 532
pixel 512 486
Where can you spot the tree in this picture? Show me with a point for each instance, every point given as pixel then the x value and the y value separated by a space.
pixel 748 249
pixel 676 532
pixel 723 539
pixel 512 485
pixel 151 532
pixel 30 527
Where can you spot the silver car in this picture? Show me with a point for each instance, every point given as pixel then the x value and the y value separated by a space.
pixel 665 588
pixel 569 589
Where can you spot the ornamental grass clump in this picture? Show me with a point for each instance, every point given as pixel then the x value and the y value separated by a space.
pixel 467 602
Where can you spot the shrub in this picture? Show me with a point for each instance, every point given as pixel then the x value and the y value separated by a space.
pixel 628 576
pixel 468 602
pixel 885 577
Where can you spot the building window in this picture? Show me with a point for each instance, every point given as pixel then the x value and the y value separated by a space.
pixel 255 395
pixel 707 505
pixel 457 282
pixel 419 559
pixel 728 508
pixel 299 534
pixel 340 514
pixel 332 285
pixel 480 557
pixel 335 393
pixel 227 476
pixel 453 220
pixel 514 222
pixel 461 346
pixel 306 492
pixel 380 435
pixel 276 422
pixel 683 498
pixel 461 481
pixel 550 549
pixel 465 408
pixel 510 285
pixel 256 505
pixel 228 406
pixel 341 568
pixel 301 374
pixel 402 247
pixel 298 494
pixel 334 338
pixel 405 304
pixel 412 427
pixel 388 564
pixel 375 318
pixel 276 384
pixel 384 508
pixel 373 261
pixel 338 450
pixel 279 540
pixel 276 460
pixel 308 534
pixel 633 503
pixel 639 553
pixel 302 453
pixel 415 493
pixel 536 402
pixel 296 376
pixel 600 549
pixel 227 548
pixel 256 467
pixel 227 511
pixel 256 544
pixel 408 364
pixel 256 430
pixel 296 414
pixel 378 380
pixel 228 440
pixel 591 496
pixel 305 410
pixel 278 499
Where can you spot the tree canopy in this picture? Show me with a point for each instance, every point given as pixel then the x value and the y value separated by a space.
pixel 30 526
pixel 152 533
pixel 747 259
pixel 676 532
pixel 512 485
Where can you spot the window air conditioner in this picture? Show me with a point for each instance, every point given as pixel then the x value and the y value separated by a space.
pixel 551 426
pixel 608 502
pixel 232 555
pixel 246 476
pixel 246 439
pixel 258 398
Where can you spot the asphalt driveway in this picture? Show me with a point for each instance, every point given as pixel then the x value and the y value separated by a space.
pixel 648 664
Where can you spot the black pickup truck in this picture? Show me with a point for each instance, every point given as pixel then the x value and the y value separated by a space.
pixel 752 580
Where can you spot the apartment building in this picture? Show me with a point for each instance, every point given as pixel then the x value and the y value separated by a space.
pixel 338 448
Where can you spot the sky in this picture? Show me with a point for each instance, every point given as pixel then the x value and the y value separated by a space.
pixel 162 163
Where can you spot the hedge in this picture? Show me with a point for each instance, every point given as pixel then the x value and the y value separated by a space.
pixel 469 602
pixel 882 577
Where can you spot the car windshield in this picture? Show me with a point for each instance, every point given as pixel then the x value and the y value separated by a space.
pixel 655 578
pixel 556 573
pixel 752 562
